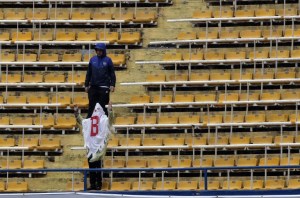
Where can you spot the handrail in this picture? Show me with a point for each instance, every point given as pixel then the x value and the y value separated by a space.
pixel 98 1
pixel 61 21
pixel 44 63
pixel 21 126
pixel 31 105
pixel 35 84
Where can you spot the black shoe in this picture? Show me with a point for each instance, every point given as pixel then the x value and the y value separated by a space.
pixel 92 188
pixel 98 188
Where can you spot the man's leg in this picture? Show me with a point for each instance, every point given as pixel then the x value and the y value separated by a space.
pixel 93 175
pixel 93 95
pixel 99 175
pixel 104 99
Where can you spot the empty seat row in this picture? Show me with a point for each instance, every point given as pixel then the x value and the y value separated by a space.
pixel 33 143
pixel 235 34
pixel 225 75
pixel 64 100
pixel 27 164
pixel 60 122
pixel 208 119
pixel 263 54
pixel 13 186
pixel 117 59
pixel 194 141
pixel 213 97
pixel 141 16
pixel 112 37
pixel 261 12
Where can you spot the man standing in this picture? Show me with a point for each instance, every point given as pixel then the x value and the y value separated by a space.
pixel 100 79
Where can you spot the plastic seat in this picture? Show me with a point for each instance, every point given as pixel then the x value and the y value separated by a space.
pixel 144 17
pixel 293 184
pixel 249 97
pixel 244 13
pixel 43 36
pixel 60 15
pixel 270 96
pixel 277 117
pixel 262 140
pixel 166 185
pixel 7 142
pixel 37 99
pixel 130 38
pixel 178 77
pixel 192 56
pixel 184 98
pixel 214 76
pixel 2 186
pixel 76 186
pixel 292 32
pixel 182 163
pixel 250 34
pixel 263 75
pixel 17 186
pixel 235 55
pixel 65 122
pixel 21 121
pixel 199 76
pixel 16 99
pixel 237 75
pixel 168 120
pixel 206 162
pixel 285 74
pixel 286 12
pixel 158 163
pixel 33 78
pixel 21 36
pixel 259 55
pixel 156 78
pixel 187 36
pixel 162 99
pixel 250 118
pixel 4 36
pixel 208 35
pixel 289 95
pixel 11 78
pixel 81 15
pixel 199 14
pixel 87 57
pixel 12 164
pixel 222 14
pixel 217 141
pixel 54 78
pixel 172 57
pixel 71 57
pixel 32 143
pixel 113 142
pixel 154 141
pixel 271 34
pixel 246 161
pixel 284 138
pixel 294 118
pixel 78 78
pixel 239 140
pixel 143 185
pixel 65 36
pixel 173 141
pixel 127 16
pixel 232 185
pixel 116 163
pixel 120 186
pixel 130 142
pixel 37 15
pixel 81 101
pixel 214 56
pixel 129 120
pixel 49 144
pixel 27 58
pixel 253 185
pixel 189 119
pixel 137 163
pixel 294 161
pixel 48 57
pixel 232 34
pixel 15 15
pixel 280 54
pixel 47 121
pixel 262 12
pixel 4 120
pixel 146 120
pixel 195 141
pixel 211 185
pixel 228 97
pixel 86 36
pixel 140 99
pixel 238 118
pixel 118 59
pixel 111 37
pixel 34 164
pixel 205 97
pixel 101 16
pixel 274 184
pixel 212 119
pixel 270 161
pixel 187 185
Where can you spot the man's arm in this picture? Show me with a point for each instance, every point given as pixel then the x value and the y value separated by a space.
pixel 110 118
pixel 78 118
pixel 112 76
pixel 88 77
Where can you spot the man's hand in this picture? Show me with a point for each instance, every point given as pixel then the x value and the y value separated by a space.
pixel 109 106
pixel 112 88
pixel 76 110
pixel 87 89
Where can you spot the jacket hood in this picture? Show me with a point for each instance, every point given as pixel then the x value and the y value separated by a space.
pixel 102 47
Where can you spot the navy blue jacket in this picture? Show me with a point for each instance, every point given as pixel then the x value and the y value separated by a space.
pixel 101 70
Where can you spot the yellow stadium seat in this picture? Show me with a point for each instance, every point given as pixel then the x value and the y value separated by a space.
pixel 43 36
pixel 86 36
pixel 127 16
pixel 137 163
pixel 60 15
pixel 54 78
pixel 264 75
pixel 101 16
pixel 17 186
pixel 219 76
pixel 262 12
pixel 65 122
pixel 11 164
pixel 284 138
pixel 231 34
pixel 182 163
pixel 294 161
pixel 286 12
pixel 189 119
pixel 271 34
pixel 34 164
pixel 222 14
pixel 259 54
pixel 71 57
pixel 4 36
pixel 78 78
pixel 254 185
pixel 293 184
pixel 218 141
pixel 37 99
pixel 32 143
pixel 269 161
pixel 140 99
pixel 146 120
pixel 235 55
pixel 228 97
pixel 199 76
pixel 166 185
pixel 294 118
pixel 118 59
pixel 156 78
pixel 81 15
pixel 173 141
pixel 113 142
pixel 80 101
pixel 33 78
pixel 292 33
pixel 184 98
pixel 49 144
pixel 214 56
pixel 237 75
pixel 144 17
pixel 111 37
pixel 76 186
pixel 2 186
pixel 116 163
pixel 48 57
pixel 199 14
pixel 187 185
pixel 143 185
pixel 205 97
pixel 274 184
pixel 124 120
pixel 244 13
pixel 277 117
pixel 249 97
pixel 195 141
pixel 87 57
pixel 130 142
pixel 105 186
pixel 246 161
pixel 192 56
pixel 27 57
pixel 130 38
pixel 15 15
pixel 120 186
pixel 158 163
pixel 12 78
pixel 239 140
pixel 47 121
pixel 211 185
pixel 250 118
pixel 7 142
pixel 238 118
pixel 212 119
pixel 262 140
pixel 280 54
pixel 37 15
pixel 232 185
pixel 16 99
pixel 154 141
pixel 250 34
pixel 270 96
pixel 289 95
pixel 172 57
pixel 187 36
pixel 21 36
pixel 21 121
pixel 206 162
pixel 208 35
pixel 4 120
pixel 65 36
pixel 1 15
pixel 285 74
pixel 162 99
pixel 178 77
pixel 168 120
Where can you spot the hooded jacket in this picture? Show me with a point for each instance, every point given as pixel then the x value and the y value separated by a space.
pixel 101 70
